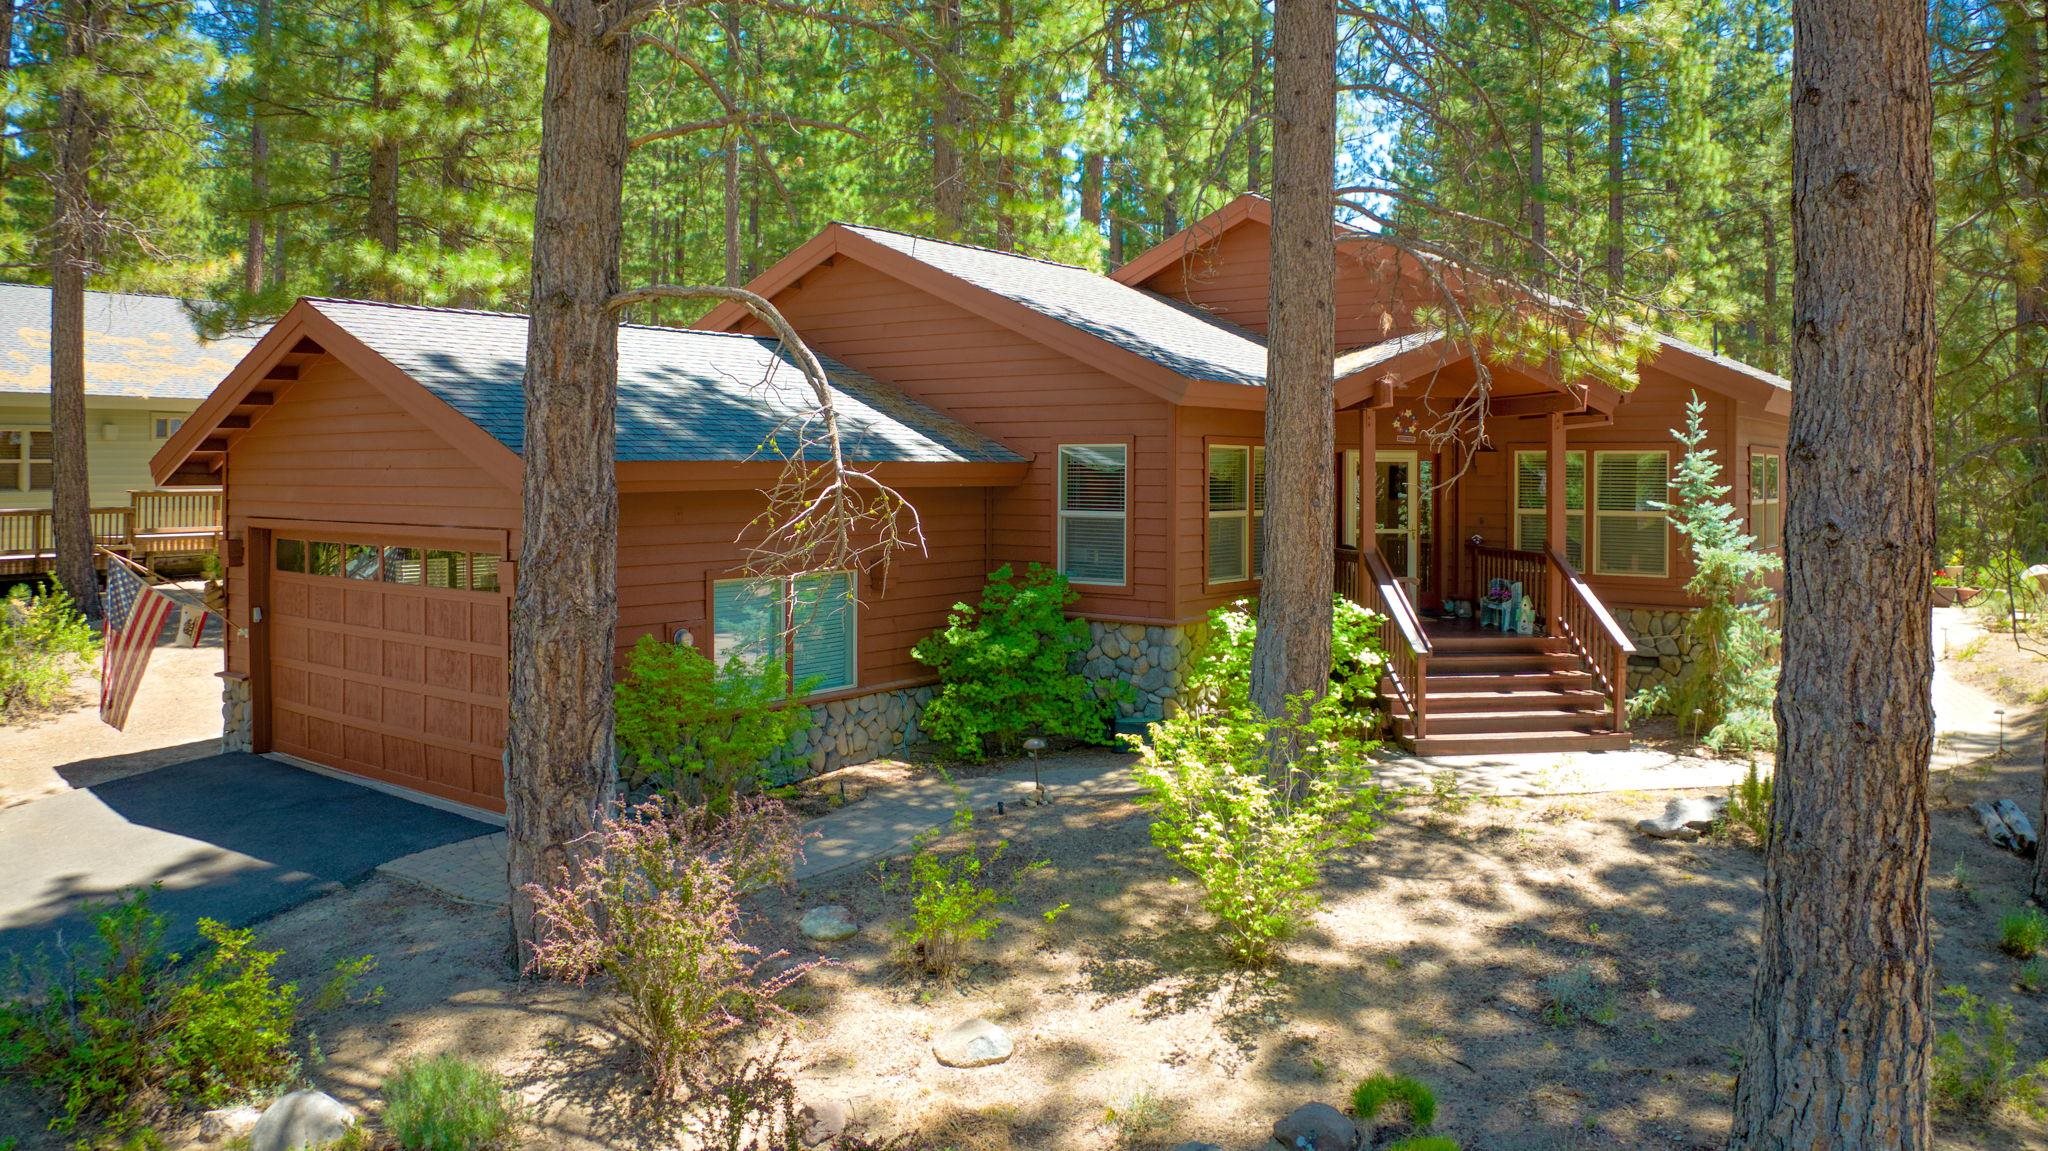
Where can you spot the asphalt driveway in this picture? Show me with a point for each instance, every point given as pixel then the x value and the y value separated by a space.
pixel 233 837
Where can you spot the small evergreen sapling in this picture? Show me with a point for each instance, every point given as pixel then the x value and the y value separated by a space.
pixel 1731 678
pixel 951 905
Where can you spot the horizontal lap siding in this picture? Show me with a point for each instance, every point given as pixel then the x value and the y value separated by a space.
pixel 1015 389
pixel 672 545
pixel 336 448
pixel 1231 278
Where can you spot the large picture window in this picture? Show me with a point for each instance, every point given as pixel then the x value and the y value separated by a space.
pixel 1237 512
pixel 808 622
pixel 1532 511
pixel 1094 495
pixel 1767 499
pixel 27 460
pixel 1630 535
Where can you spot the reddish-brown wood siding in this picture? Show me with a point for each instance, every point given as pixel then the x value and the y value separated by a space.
pixel 1009 386
pixel 673 545
pixel 334 448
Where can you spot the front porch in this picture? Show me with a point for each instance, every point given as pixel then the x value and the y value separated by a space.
pixel 1456 687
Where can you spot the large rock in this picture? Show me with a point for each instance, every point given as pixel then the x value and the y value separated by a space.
pixel 1317 1127
pixel 975 1043
pixel 1685 818
pixel 225 1123
pixel 828 924
pixel 301 1121
pixel 826 1121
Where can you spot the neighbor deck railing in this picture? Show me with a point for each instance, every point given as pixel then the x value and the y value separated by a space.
pixel 153 523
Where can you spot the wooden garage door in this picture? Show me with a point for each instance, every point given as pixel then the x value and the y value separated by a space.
pixel 389 661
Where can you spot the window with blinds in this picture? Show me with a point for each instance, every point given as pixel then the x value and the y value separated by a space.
pixel 1767 499
pixel 27 460
pixel 1237 512
pixel 1094 494
pixel 1532 511
pixel 1630 535
pixel 808 622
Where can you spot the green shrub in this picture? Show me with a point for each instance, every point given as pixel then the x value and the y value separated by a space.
pixel 704 732
pixel 1425 1143
pixel 1749 806
pixel 1006 669
pixel 950 906
pixel 1258 845
pixel 1977 1064
pixel 1221 674
pixel 2023 933
pixel 1375 1092
pixel 44 642
pixel 1729 681
pixel 446 1104
pixel 1576 996
pixel 127 1029
pixel 2032 976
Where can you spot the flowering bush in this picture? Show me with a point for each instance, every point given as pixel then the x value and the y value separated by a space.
pixel 653 903
pixel 1258 844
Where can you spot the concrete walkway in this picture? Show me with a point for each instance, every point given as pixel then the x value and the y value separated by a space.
pixel 884 823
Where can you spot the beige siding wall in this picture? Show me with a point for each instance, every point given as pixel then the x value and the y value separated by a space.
pixel 117 465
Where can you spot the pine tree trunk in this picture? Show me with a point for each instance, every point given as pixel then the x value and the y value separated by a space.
pixel 2030 299
pixel 1840 1026
pixel 72 243
pixel 1617 127
pixel 558 746
pixel 2041 828
pixel 949 188
pixel 1292 652
pixel 259 170
pixel 729 21
pixel 1006 114
pixel 1539 221
pixel 1254 162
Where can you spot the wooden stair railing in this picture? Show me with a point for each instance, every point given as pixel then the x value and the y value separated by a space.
pixel 1365 579
pixel 1590 627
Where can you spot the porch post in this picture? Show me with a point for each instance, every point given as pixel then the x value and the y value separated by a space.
pixel 1368 434
pixel 1553 523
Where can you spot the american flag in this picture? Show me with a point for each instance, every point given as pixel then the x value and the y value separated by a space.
pixel 135 617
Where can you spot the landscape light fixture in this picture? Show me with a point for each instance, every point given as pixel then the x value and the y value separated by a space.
pixel 1032 747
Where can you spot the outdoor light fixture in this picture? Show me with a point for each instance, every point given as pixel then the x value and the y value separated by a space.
pixel 1032 747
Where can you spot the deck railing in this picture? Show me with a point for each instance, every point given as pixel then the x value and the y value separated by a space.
pixel 176 512
pixel 153 523
pixel 1364 578
pixel 1530 569
pixel 1586 622
pixel 30 533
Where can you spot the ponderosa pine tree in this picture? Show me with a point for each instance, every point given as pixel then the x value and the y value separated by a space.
pixel 1841 1026
pixel 1291 655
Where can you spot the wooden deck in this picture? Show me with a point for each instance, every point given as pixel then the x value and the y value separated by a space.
pixel 155 525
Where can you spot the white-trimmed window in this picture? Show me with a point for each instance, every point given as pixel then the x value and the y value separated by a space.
pixel 1767 498
pixel 1094 525
pixel 164 425
pixel 809 622
pixel 1532 511
pixel 27 460
pixel 1237 512
pixel 1630 534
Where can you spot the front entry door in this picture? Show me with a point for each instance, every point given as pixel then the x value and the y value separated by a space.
pixel 1401 515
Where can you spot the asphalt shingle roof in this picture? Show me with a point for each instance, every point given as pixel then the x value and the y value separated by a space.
pixel 1167 332
pixel 683 394
pixel 134 346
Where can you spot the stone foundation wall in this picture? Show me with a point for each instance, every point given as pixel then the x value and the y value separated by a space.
pixel 237 717
pixel 1662 647
pixel 1152 659
pixel 856 730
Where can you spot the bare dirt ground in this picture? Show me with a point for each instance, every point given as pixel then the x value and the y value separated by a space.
pixel 1430 959
pixel 175 717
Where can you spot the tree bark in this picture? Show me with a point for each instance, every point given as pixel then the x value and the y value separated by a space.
pixel 1617 142
pixel 729 21
pixel 1539 220
pixel 949 182
pixel 1292 652
pixel 1006 115
pixel 71 255
pixel 1254 161
pixel 1840 1025
pixel 259 169
pixel 2041 849
pixel 558 747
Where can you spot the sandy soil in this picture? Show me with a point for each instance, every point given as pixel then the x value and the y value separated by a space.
pixel 175 717
pixel 1430 959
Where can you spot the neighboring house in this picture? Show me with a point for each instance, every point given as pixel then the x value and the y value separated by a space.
pixel 146 369
pixel 1107 425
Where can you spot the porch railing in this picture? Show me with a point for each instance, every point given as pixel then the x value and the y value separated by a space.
pixel 1530 569
pixel 183 512
pixel 153 523
pixel 1364 578
pixel 1586 622
pixel 29 533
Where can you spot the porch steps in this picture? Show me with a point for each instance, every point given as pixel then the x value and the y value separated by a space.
pixel 1500 694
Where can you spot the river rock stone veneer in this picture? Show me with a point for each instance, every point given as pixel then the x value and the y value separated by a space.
pixel 859 729
pixel 1662 645
pixel 237 717
pixel 1152 659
